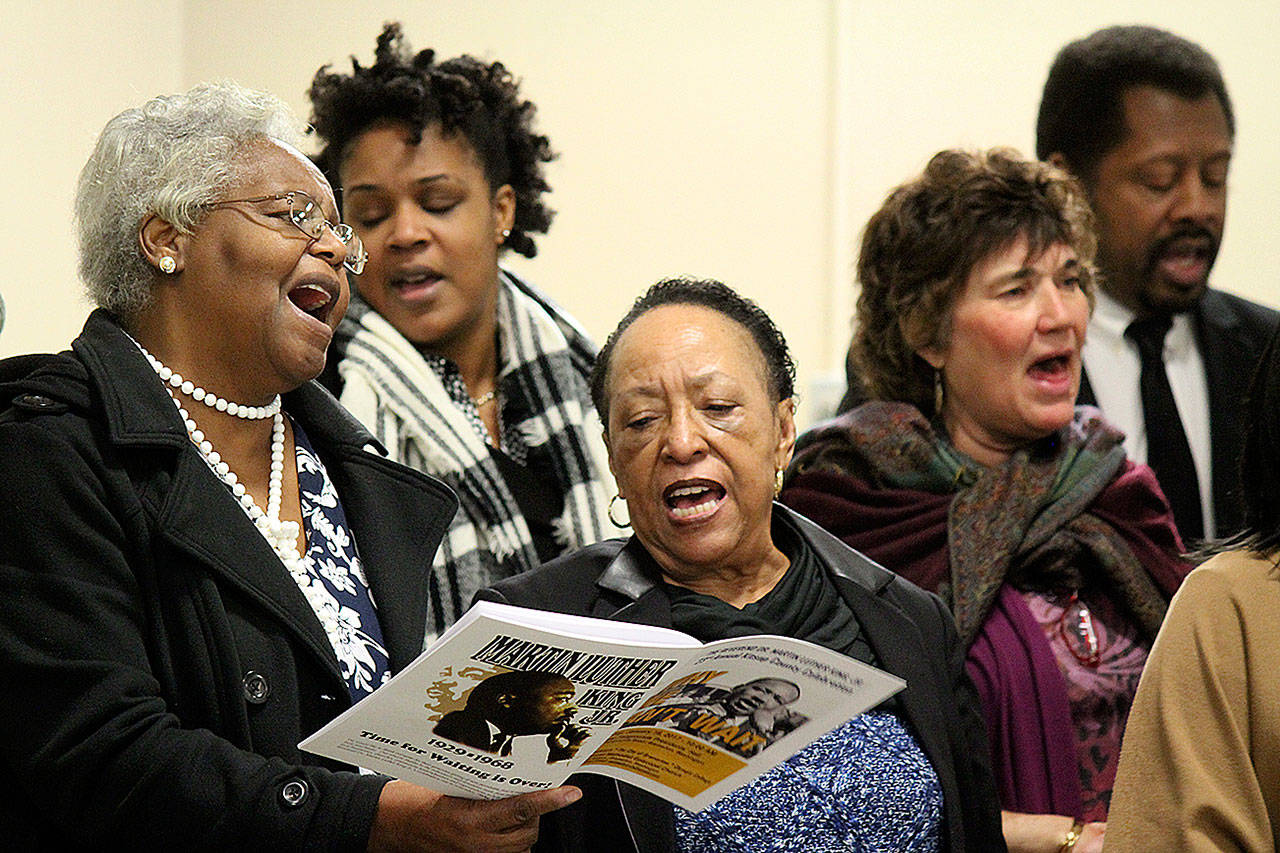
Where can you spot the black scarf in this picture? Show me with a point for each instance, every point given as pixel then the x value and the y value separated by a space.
pixel 804 604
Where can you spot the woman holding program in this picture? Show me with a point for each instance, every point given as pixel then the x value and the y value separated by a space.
pixel 695 389
pixel 203 561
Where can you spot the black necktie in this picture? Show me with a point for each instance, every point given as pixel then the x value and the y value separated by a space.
pixel 1168 452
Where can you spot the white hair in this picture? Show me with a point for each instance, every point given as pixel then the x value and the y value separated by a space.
pixel 170 157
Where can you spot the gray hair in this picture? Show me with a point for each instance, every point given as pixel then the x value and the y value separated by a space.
pixel 170 157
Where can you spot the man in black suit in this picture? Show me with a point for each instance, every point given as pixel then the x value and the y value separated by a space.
pixel 512 704
pixel 1142 118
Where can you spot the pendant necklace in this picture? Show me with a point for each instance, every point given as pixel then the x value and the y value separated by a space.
pixel 1078 632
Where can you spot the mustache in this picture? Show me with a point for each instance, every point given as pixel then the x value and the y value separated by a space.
pixel 1183 232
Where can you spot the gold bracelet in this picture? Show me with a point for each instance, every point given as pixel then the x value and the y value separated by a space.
pixel 1073 835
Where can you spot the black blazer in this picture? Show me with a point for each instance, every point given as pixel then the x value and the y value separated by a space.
pixel 1232 333
pixel 910 630
pixel 159 663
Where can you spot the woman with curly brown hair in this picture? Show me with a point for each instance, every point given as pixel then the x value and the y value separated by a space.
pixel 459 368
pixel 971 472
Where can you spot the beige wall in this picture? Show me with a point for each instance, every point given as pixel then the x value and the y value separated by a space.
pixel 744 140
pixel 931 75
pixel 685 147
pixel 65 68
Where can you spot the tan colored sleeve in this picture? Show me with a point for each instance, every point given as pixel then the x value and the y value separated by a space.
pixel 1186 781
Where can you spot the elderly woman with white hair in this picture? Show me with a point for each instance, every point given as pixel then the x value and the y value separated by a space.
pixel 204 557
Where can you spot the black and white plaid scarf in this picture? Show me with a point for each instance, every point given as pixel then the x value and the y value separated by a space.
pixel 544 360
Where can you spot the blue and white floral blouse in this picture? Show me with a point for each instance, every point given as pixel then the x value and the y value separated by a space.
pixel 864 787
pixel 333 580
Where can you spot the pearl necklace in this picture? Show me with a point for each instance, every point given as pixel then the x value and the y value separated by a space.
pixel 213 401
pixel 282 536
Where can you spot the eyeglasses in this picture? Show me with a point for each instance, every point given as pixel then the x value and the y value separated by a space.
pixel 306 214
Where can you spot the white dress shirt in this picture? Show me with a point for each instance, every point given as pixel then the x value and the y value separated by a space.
pixel 1113 365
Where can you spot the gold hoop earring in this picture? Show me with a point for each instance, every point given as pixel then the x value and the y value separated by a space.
pixel 621 525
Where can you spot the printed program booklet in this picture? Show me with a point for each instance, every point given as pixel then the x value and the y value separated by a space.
pixel 511 700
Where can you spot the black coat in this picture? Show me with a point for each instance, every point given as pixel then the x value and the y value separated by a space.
pixel 160 665
pixel 1231 333
pixel 910 630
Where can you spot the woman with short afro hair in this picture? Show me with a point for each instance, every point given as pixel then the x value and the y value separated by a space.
pixel 460 368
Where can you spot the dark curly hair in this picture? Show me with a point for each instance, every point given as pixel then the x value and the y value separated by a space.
pixel 1260 458
pixel 462 95
pixel 719 297
pixel 920 246
pixel 1082 109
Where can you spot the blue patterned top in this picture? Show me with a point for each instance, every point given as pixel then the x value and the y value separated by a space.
pixel 865 787
pixel 334 582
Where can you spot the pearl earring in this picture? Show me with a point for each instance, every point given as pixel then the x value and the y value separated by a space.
pixel 168 265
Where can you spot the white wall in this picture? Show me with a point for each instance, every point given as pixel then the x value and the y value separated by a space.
pixel 691 140
pixel 743 140
pixel 930 75
pixel 65 68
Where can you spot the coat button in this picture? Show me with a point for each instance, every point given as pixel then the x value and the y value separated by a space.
pixel 294 793
pixel 38 403
pixel 256 688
